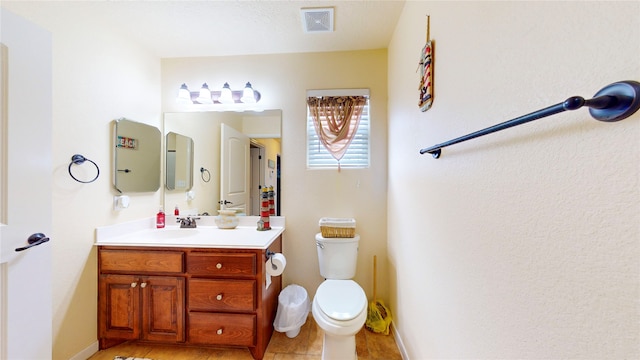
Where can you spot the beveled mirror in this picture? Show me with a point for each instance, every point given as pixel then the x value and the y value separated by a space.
pixel 178 162
pixel 136 159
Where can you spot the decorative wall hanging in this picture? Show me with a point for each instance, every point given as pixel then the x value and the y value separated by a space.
pixel 426 74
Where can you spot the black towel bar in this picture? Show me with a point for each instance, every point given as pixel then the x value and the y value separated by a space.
pixel 614 102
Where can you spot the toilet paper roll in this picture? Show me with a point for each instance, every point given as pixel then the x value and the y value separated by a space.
pixel 276 264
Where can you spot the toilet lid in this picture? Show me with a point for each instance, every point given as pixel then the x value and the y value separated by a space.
pixel 341 299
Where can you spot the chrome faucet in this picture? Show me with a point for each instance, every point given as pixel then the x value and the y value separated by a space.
pixel 188 222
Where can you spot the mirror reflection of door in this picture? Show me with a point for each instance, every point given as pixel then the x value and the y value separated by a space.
pixel 257 176
pixel 234 170
pixel 278 185
pixel 265 172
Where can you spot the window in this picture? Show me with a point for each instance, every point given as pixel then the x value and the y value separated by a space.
pixel 357 154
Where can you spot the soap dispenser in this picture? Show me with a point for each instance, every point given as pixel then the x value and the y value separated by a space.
pixel 160 218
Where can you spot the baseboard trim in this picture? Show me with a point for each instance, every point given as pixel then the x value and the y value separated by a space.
pixel 399 343
pixel 87 352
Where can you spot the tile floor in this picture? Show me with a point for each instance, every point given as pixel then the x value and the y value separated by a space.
pixel 306 346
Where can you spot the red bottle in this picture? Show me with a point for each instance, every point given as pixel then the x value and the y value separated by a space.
pixel 160 219
pixel 176 211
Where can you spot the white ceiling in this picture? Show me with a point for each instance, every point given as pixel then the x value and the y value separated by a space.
pixel 184 28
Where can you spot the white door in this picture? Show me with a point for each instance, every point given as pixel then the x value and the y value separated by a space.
pixel 257 178
pixel 234 170
pixel 25 190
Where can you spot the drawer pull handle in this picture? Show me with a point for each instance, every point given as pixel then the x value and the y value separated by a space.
pixel 219 297
pixel 218 266
pixel 134 284
pixel 219 332
pixel 143 285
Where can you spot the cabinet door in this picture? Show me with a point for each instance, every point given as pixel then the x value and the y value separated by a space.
pixel 119 307
pixel 162 308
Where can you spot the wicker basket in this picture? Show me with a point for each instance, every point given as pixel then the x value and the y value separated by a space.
pixel 337 228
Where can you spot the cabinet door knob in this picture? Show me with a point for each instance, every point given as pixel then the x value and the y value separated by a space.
pixel 219 297
pixel 134 284
pixel 219 332
pixel 218 266
pixel 143 285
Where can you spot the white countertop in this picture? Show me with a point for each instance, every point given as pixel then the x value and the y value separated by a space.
pixel 206 235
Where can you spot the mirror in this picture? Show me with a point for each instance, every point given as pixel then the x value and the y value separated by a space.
pixel 178 162
pixel 136 157
pixel 204 128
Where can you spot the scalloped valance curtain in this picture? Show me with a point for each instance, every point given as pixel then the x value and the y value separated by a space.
pixel 336 120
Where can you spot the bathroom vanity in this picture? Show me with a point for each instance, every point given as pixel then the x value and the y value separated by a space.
pixel 191 288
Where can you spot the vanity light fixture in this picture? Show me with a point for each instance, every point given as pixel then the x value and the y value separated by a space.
pixel 225 96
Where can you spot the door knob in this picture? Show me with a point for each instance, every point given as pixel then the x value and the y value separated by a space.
pixel 34 240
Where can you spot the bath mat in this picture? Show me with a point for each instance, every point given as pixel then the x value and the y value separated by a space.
pixel 129 358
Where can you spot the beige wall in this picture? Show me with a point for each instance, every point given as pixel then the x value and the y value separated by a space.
pixel 308 195
pixel 524 243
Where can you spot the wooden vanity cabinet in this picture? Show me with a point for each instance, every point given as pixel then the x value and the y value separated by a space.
pixel 140 296
pixel 190 296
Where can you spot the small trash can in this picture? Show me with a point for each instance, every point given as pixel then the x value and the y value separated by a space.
pixel 293 309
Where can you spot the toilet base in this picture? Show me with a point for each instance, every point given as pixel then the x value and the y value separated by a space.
pixel 339 347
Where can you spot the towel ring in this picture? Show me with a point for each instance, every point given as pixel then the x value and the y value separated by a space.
pixel 79 160
pixel 202 172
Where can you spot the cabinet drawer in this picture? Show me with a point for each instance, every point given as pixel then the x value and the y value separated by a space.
pixel 141 261
pixel 222 329
pixel 221 295
pixel 221 264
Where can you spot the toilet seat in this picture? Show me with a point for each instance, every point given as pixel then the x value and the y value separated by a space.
pixel 341 300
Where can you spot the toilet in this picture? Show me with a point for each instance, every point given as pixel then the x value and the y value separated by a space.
pixel 340 305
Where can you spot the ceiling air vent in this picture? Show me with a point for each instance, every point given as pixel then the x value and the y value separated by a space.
pixel 317 20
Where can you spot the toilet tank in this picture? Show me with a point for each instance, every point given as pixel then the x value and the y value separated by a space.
pixel 337 257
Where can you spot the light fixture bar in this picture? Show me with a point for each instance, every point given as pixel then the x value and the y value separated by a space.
pixel 217 97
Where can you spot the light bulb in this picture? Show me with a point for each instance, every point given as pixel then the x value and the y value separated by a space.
pixel 205 95
pixel 226 96
pixel 184 95
pixel 247 95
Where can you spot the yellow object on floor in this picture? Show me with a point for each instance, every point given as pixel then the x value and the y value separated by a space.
pixel 378 316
